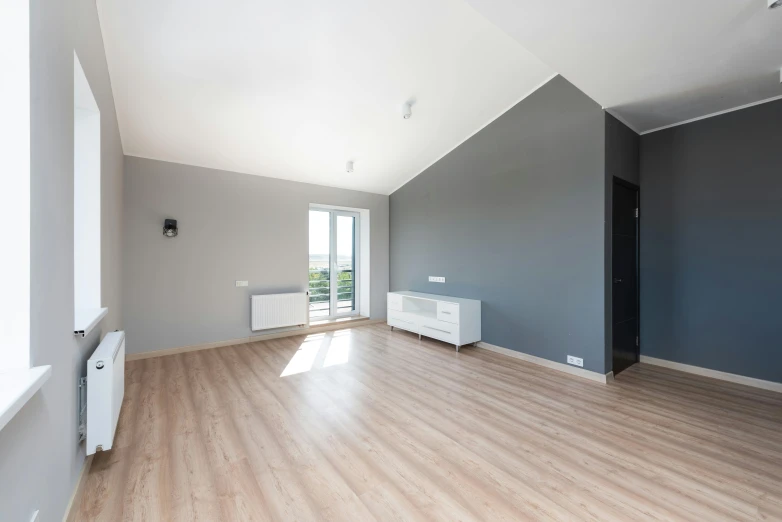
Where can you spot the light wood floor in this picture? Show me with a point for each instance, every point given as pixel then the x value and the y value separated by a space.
pixel 384 427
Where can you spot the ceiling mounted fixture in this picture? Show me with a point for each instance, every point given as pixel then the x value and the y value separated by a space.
pixel 407 108
pixel 773 4
pixel 349 166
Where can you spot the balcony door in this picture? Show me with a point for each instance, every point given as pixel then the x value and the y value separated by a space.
pixel 333 270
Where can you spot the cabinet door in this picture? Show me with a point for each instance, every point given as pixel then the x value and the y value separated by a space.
pixel 403 320
pixel 441 330
pixel 395 302
pixel 448 312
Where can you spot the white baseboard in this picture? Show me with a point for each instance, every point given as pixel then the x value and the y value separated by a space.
pixel 338 325
pixel 73 503
pixel 562 367
pixel 714 374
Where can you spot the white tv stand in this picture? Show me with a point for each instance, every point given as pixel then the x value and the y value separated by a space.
pixel 450 319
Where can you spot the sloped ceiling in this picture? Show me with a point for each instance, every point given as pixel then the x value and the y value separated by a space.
pixel 294 90
pixel 653 63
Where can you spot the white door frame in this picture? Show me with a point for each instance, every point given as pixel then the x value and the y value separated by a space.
pixel 334 213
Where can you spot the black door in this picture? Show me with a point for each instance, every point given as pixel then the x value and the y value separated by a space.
pixel 625 275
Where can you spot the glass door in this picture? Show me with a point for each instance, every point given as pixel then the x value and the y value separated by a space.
pixel 333 263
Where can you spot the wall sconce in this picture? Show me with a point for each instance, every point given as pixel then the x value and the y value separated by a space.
pixel 169 228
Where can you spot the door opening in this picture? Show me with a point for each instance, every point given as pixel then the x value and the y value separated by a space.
pixel 624 272
pixel 333 263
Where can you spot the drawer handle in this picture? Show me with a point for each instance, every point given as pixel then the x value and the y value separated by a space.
pixel 438 330
pixel 402 320
pixel 444 312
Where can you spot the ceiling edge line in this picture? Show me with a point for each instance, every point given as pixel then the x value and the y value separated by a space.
pixel 622 120
pixel 713 114
pixel 108 73
pixel 479 129
pixel 245 173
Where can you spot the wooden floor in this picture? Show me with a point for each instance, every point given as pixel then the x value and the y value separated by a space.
pixel 379 426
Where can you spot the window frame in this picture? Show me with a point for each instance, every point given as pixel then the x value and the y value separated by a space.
pixel 334 213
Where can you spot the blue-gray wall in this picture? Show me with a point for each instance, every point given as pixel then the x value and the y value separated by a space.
pixel 711 243
pixel 515 217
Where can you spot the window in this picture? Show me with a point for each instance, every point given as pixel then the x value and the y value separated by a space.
pixel 86 204
pixel 334 263
pixel 15 185
pixel 18 381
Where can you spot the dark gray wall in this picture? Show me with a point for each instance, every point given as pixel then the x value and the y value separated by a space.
pixel 515 217
pixel 40 456
pixel 180 291
pixel 623 151
pixel 711 253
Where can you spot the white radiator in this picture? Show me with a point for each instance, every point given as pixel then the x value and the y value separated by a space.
pixel 278 310
pixel 105 390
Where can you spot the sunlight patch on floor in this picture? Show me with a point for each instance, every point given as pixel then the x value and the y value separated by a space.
pixel 320 351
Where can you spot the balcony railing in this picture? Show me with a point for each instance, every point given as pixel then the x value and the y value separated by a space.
pixel 320 291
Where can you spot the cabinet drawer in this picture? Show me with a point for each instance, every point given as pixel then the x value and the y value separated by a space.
pixel 395 302
pixel 402 320
pixel 441 330
pixel 448 312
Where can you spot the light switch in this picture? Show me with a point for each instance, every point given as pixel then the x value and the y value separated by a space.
pixel 242 283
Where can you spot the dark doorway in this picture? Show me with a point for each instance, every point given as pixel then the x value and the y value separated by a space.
pixel 624 270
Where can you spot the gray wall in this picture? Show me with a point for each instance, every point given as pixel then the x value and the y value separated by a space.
pixel 180 291
pixel 711 284
pixel 623 151
pixel 515 217
pixel 40 458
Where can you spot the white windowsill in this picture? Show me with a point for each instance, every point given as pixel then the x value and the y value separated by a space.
pixel 17 387
pixel 87 319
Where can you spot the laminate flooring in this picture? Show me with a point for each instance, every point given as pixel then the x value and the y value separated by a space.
pixel 367 424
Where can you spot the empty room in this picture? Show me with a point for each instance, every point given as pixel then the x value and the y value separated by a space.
pixel 453 260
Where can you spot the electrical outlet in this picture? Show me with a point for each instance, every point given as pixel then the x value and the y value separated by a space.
pixel 242 283
pixel 576 361
pixel 433 279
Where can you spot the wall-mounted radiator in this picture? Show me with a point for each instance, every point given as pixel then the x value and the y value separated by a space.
pixel 278 310
pixel 105 390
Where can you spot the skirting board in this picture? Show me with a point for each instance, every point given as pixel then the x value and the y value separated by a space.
pixel 73 505
pixel 562 367
pixel 714 374
pixel 339 325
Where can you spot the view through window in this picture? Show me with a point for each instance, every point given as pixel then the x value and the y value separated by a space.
pixel 333 267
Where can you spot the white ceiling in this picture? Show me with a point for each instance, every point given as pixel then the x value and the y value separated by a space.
pixel 653 63
pixel 294 90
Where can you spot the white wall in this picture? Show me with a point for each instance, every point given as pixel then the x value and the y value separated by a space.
pixel 40 457
pixel 180 291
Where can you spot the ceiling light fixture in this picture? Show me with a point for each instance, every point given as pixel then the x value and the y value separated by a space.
pixel 773 4
pixel 407 108
pixel 349 166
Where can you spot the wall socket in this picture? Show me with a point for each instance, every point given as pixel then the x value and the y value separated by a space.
pixel 434 279
pixel 242 283
pixel 576 361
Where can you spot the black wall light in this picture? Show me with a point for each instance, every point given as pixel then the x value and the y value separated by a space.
pixel 169 228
